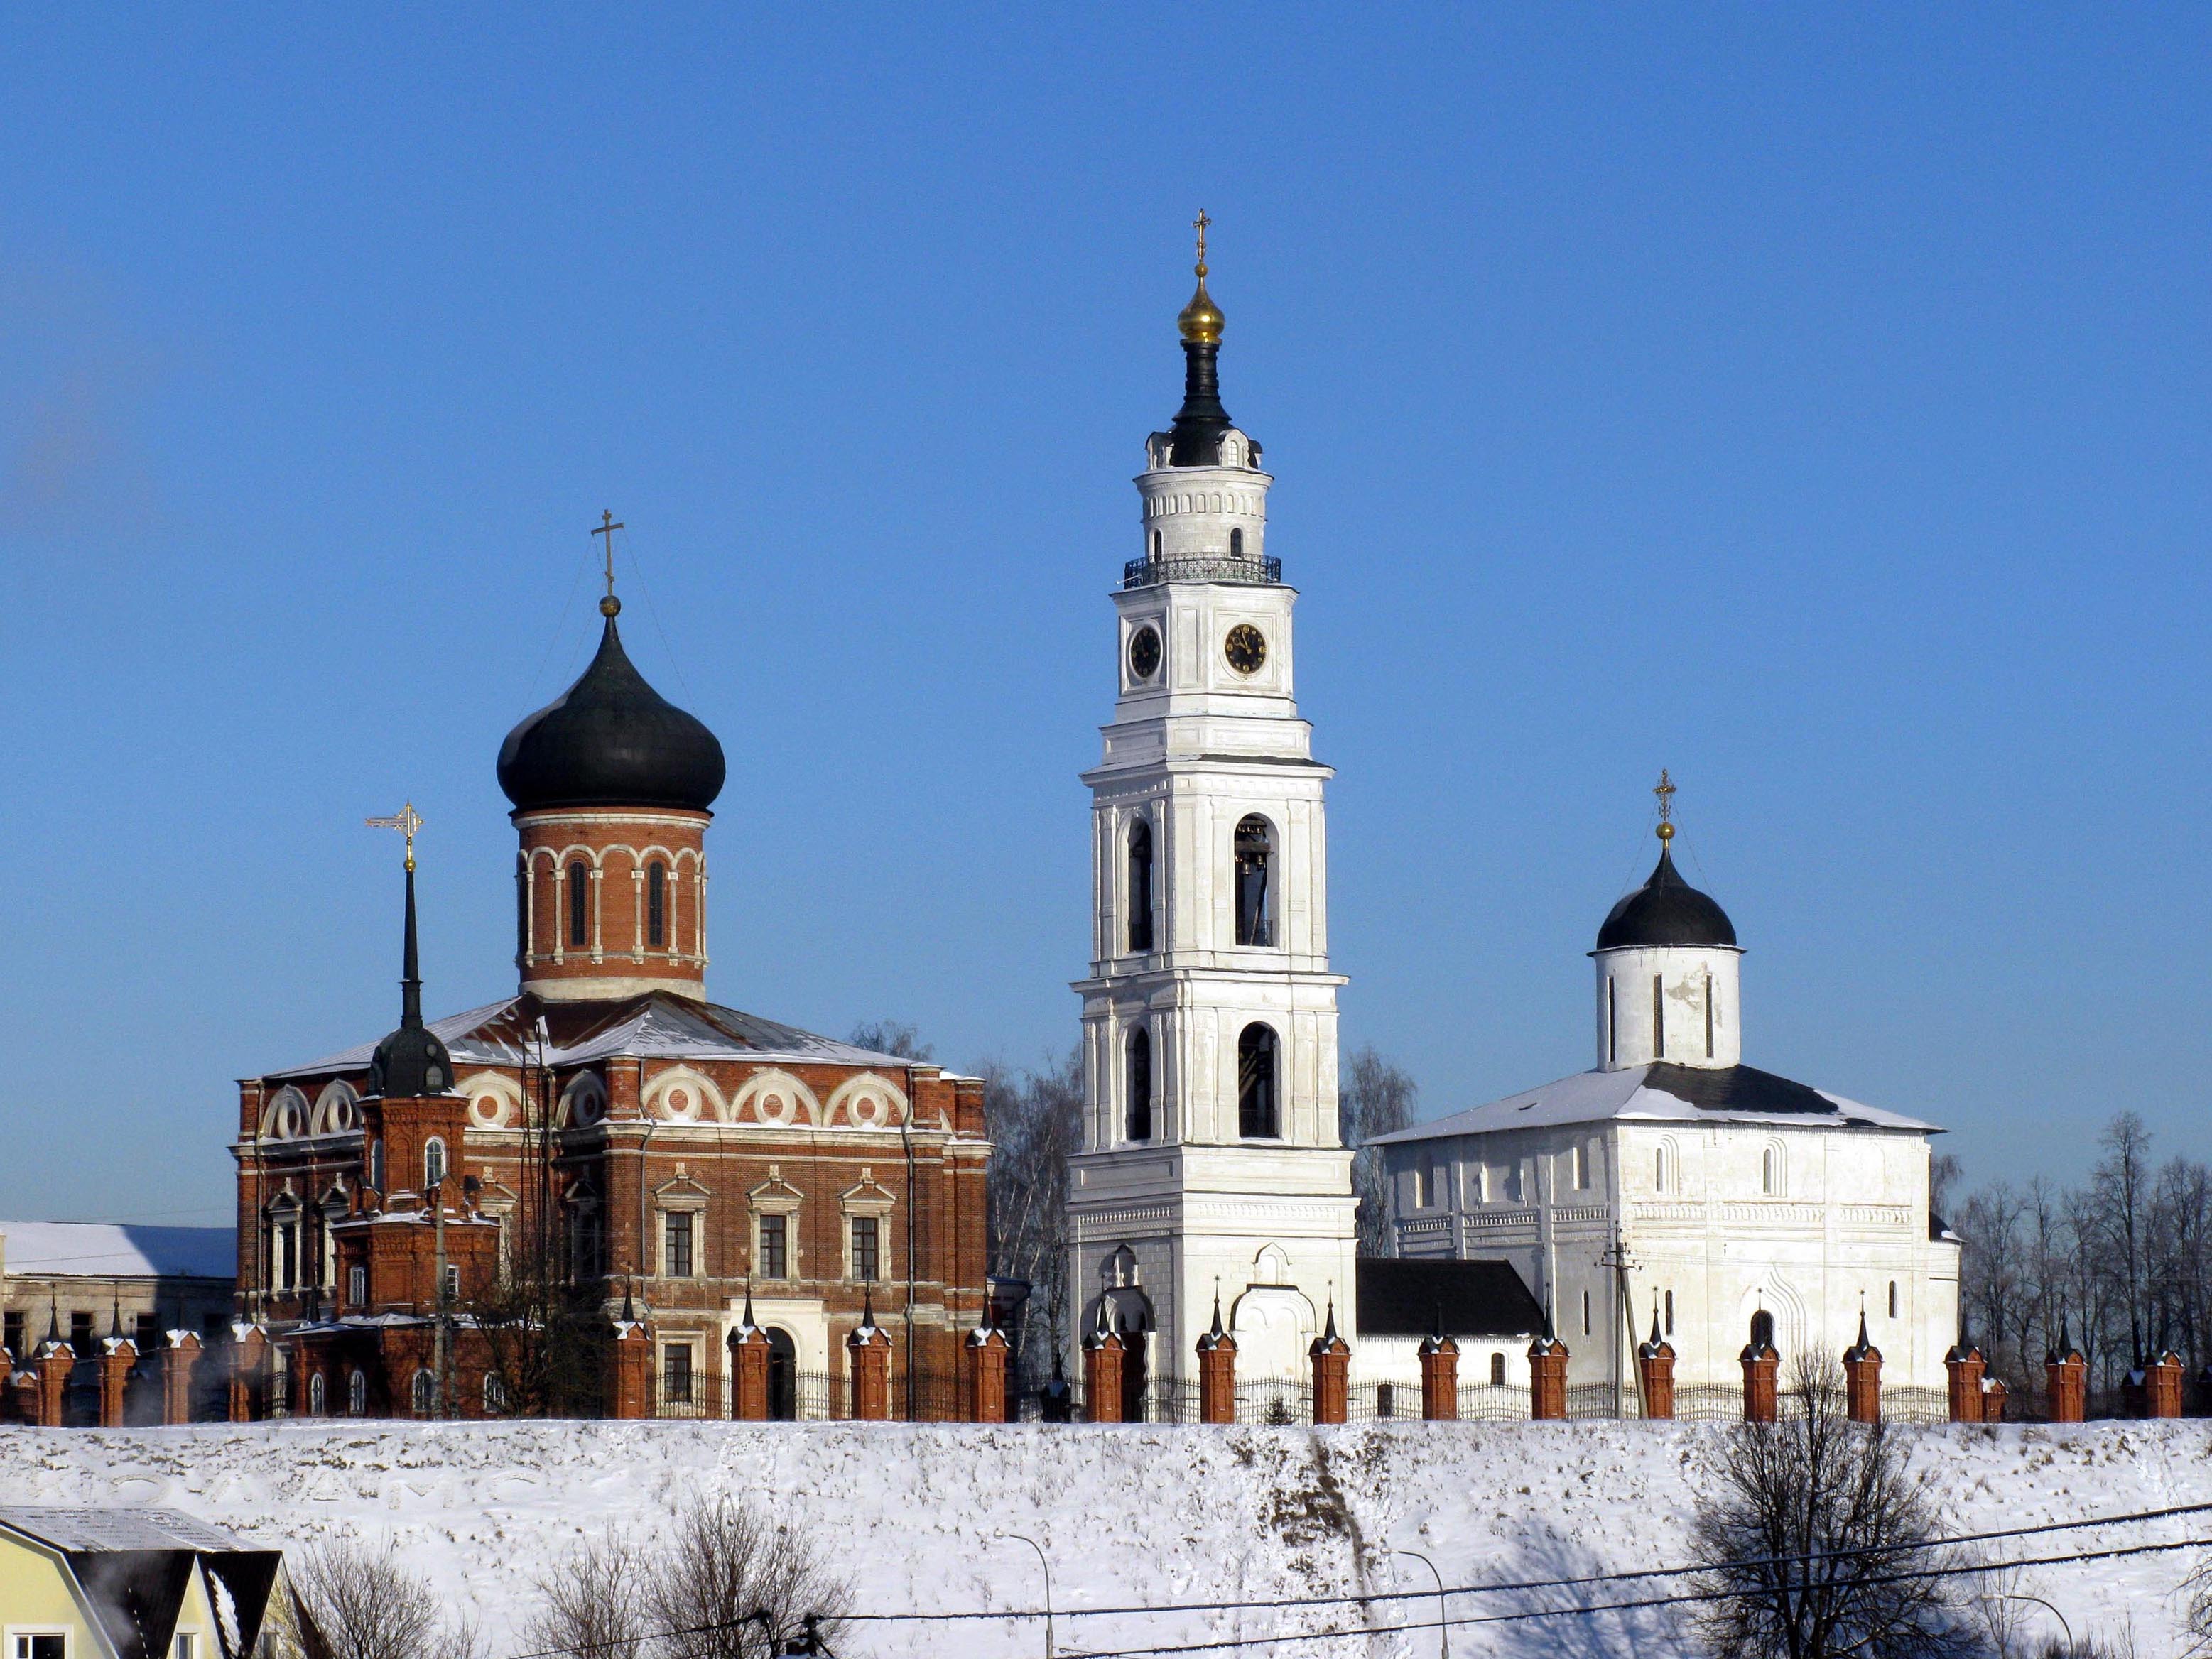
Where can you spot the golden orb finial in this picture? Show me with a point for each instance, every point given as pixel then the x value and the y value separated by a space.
pixel 1665 791
pixel 1200 321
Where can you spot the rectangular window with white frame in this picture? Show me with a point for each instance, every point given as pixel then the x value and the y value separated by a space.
pixel 38 1643
pixel 867 1248
pixel 772 1254
pixel 676 1230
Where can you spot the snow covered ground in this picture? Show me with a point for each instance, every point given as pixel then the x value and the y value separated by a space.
pixel 1126 1515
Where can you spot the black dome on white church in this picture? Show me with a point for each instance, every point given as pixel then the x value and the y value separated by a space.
pixel 1666 911
pixel 611 740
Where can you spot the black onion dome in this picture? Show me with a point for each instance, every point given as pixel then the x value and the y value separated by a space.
pixel 409 1064
pixel 611 740
pixel 1665 910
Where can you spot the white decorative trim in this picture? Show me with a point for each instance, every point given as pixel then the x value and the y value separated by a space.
pixel 583 1102
pixel 683 1095
pixel 870 1100
pixel 797 1103
pixel 337 1108
pixel 494 1101
pixel 286 1115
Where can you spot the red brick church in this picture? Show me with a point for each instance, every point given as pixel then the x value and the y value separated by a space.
pixel 607 1193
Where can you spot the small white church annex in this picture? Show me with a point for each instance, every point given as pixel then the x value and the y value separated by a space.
pixel 1672 1185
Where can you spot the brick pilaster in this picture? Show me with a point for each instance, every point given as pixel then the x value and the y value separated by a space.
pixel 1994 1395
pixel 869 1350
pixel 179 1361
pixel 1863 1378
pixel 2065 1381
pixel 1655 1369
pixel 633 1368
pixel 118 1354
pixel 2162 1386
pixel 1548 1377
pixel 1439 1379
pixel 1966 1365
pixel 986 1353
pixel 1761 1363
pixel 1102 1351
pixel 249 1364
pixel 1332 1373
pixel 57 1359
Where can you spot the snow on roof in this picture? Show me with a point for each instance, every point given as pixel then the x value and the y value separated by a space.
pixel 1661 1093
pixel 655 1025
pixel 118 1530
pixel 87 1249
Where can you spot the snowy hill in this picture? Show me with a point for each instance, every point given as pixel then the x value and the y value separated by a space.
pixel 1127 1514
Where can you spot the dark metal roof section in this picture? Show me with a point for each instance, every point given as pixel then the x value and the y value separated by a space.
pixel 1463 1299
pixel 1202 423
pixel 411 1062
pixel 1737 1089
pixel 1665 910
pixel 611 740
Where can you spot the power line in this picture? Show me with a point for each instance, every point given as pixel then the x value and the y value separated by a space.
pixel 1642 1602
pixel 2125 1518
pixel 2130 1517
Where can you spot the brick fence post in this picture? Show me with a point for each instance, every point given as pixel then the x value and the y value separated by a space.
pixel 1217 1372
pixel 987 1374
pixel 25 1386
pixel 869 1350
pixel 249 1358
pixel 1994 1395
pixel 633 1367
pixel 1547 1377
pixel 1863 1378
pixel 1102 1372
pixel 179 1361
pixel 1966 1365
pixel 2162 1385
pixel 1760 1361
pixel 1439 1378
pixel 749 1367
pixel 2065 1380
pixel 118 1354
pixel 1654 1368
pixel 1331 1372
pixel 57 1359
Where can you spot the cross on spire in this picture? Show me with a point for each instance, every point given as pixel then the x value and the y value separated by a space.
pixel 607 526
pixel 407 821
pixel 1198 225
pixel 1665 790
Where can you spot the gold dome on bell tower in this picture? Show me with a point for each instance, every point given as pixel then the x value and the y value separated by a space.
pixel 1200 321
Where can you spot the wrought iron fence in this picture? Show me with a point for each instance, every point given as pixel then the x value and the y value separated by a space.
pixel 1202 567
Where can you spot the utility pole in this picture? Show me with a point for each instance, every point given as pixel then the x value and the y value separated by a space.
pixel 1617 1258
pixel 438 1329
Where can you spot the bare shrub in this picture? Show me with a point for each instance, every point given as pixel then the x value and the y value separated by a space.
pixel 365 1605
pixel 721 1565
pixel 592 1602
pixel 1815 1519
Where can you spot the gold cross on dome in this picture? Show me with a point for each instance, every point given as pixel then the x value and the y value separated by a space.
pixel 1665 791
pixel 607 526
pixel 1198 225
pixel 407 821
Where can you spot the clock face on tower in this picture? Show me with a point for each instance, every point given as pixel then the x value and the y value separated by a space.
pixel 1247 649
pixel 1144 653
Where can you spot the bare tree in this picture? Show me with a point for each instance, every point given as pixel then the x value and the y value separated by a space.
pixel 365 1605
pixel 1816 1519
pixel 721 1566
pixel 892 1037
pixel 2122 1186
pixel 1035 1120
pixel 1373 1097
pixel 592 1601
pixel 1944 1173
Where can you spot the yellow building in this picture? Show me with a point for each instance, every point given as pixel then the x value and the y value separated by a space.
pixel 116 1583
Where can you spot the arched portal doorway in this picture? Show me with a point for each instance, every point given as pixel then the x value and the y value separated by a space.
pixel 782 1376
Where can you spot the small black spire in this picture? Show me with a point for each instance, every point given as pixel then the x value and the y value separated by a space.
pixel 1436 1321
pixel 749 1305
pixel 410 1062
pixel 115 1322
pixel 868 1307
pixel 1655 1318
pixel 53 1320
pixel 629 1313
pixel 1201 421
pixel 1864 1342
pixel 1550 1335
pixel 1217 1333
pixel 1329 1335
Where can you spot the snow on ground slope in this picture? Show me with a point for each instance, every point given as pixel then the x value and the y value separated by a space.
pixel 1127 1516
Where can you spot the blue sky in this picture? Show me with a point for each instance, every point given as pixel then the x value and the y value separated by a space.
pixel 1811 401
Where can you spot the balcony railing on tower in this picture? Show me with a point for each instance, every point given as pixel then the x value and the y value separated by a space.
pixel 1202 567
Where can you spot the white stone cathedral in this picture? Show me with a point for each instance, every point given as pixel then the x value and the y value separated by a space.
pixel 1673 1185
pixel 1211 1172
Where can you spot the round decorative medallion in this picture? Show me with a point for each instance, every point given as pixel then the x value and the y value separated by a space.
pixel 1247 649
pixel 1144 653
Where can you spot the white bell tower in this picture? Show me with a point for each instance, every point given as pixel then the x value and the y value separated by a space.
pixel 1210 1160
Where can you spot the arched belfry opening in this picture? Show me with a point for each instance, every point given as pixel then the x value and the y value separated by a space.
pixel 1257 1111
pixel 1256 859
pixel 1138 1124
pixel 1140 888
